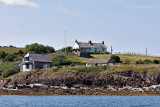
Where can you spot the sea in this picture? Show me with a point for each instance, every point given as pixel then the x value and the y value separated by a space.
pixel 79 101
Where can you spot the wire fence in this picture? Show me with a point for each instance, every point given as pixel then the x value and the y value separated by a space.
pixel 135 53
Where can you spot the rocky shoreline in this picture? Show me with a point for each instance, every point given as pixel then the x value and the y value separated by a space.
pixel 73 83
pixel 40 89
pixel 59 91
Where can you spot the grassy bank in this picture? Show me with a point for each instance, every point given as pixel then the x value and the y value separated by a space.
pixel 11 50
pixel 93 69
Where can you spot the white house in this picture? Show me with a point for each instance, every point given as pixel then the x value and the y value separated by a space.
pixel 89 47
pixel 35 61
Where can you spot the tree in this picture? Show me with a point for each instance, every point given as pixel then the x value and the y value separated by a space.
pixel 2 54
pixel 39 48
pixel 155 61
pixel 147 61
pixel 49 49
pixel 68 49
pixel 116 58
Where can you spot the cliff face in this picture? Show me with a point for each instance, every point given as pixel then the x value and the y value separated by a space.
pixel 103 80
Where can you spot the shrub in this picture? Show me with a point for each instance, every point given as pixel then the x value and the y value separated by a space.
pixel 139 62
pixel 10 57
pixel 55 69
pixel 10 71
pixel 7 69
pixel 11 46
pixel 38 70
pixel 20 52
pixel 61 60
pixel 72 65
pixel 155 61
pixel 2 54
pixel 126 62
pixel 147 61
pixel 116 58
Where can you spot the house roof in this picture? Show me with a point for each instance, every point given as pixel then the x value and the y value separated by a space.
pixel 91 45
pixel 40 57
pixel 99 61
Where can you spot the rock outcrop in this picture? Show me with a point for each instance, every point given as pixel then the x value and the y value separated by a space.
pixel 92 80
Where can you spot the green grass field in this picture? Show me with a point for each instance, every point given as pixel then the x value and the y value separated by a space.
pixel 127 57
pixel 73 57
pixel 70 56
pixel 124 57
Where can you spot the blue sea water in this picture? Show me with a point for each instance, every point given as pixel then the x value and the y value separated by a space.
pixel 79 101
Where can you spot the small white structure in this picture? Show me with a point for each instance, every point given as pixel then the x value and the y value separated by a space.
pixel 100 62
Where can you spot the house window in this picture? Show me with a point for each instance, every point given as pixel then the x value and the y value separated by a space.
pixel 103 49
pixel 27 66
pixel 26 58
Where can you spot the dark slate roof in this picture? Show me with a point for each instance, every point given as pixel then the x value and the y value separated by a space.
pixel 99 61
pixel 40 57
pixel 93 45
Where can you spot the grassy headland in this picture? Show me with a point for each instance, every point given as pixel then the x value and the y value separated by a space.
pixel 73 57
pixel 11 50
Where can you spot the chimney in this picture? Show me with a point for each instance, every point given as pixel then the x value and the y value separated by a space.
pixel 90 42
pixel 103 42
pixel 76 41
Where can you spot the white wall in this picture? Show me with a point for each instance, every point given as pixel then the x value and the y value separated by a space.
pixel 30 68
pixel 76 46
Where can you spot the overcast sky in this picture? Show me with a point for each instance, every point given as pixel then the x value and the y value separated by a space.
pixel 127 25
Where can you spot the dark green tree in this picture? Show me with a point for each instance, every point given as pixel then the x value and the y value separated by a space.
pixel 2 54
pixel 116 58
pixel 49 49
pixel 155 61
pixel 68 49
pixel 39 48
pixel 139 62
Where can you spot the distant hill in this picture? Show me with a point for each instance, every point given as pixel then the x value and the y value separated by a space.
pixel 11 49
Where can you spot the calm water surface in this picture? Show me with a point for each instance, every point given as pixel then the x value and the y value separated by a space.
pixel 79 101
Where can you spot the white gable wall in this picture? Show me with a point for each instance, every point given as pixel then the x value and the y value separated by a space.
pixel 76 46
pixel 27 55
